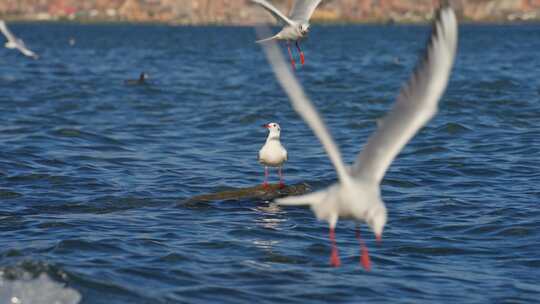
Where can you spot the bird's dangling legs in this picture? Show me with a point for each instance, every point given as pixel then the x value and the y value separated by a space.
pixel 265 184
pixel 302 60
pixel 334 257
pixel 281 183
pixel 290 55
pixel 364 255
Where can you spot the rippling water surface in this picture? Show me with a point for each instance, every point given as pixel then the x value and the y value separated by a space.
pixel 93 172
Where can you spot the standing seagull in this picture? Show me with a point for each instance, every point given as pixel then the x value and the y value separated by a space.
pixel 296 26
pixel 272 153
pixel 14 42
pixel 357 194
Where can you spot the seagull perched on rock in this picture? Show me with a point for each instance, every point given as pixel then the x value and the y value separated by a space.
pixel 272 153
pixel 357 194
pixel 14 42
pixel 296 26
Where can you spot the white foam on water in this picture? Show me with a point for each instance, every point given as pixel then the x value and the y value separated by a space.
pixel 40 290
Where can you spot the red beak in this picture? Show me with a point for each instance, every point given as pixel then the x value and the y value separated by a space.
pixel 378 237
pixel 266 126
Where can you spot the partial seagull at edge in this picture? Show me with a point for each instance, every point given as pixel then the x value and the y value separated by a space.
pixel 14 42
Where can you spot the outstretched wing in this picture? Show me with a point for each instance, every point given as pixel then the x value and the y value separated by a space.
pixel 417 101
pixel 303 9
pixel 313 198
pixel 28 53
pixel 274 11
pixel 7 32
pixel 267 39
pixel 14 42
pixel 304 107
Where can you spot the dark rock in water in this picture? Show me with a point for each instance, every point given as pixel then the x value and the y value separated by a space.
pixel 258 192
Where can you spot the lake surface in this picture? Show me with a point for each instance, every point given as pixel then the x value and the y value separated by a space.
pixel 93 172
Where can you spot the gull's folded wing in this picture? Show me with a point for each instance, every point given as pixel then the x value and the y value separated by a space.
pixel 274 11
pixel 417 102
pixel 303 9
pixel 304 107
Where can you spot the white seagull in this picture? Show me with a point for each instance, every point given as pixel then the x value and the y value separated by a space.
pixel 272 153
pixel 357 194
pixel 296 27
pixel 14 42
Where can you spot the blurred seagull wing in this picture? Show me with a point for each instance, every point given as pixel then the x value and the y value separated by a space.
pixel 4 29
pixel 303 9
pixel 417 102
pixel 274 11
pixel 304 107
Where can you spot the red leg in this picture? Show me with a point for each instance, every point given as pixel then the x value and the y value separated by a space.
pixel 281 183
pixel 334 257
pixel 302 60
pixel 290 55
pixel 364 257
pixel 265 184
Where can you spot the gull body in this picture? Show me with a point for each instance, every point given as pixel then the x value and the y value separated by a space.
pixel 296 26
pixel 14 42
pixel 272 153
pixel 357 194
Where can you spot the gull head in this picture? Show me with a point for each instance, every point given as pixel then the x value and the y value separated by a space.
pixel 273 128
pixel 304 28
pixel 376 219
pixel 143 76
pixel 361 200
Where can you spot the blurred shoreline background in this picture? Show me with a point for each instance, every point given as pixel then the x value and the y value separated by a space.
pixel 242 12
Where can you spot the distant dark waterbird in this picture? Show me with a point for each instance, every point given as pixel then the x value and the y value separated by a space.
pixel 143 77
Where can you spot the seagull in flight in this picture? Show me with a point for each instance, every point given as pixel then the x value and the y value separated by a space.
pixel 272 153
pixel 296 27
pixel 357 194
pixel 14 42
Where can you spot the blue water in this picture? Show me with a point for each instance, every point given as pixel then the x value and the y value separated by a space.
pixel 93 171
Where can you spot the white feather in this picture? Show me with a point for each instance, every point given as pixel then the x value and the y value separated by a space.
pixel 268 39
pixel 416 104
pixel 303 9
pixel 274 11
pixel 312 198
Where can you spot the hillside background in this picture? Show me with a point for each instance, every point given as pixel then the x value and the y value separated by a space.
pixel 242 12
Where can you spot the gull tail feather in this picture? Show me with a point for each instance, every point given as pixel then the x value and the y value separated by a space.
pixel 313 198
pixel 268 39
